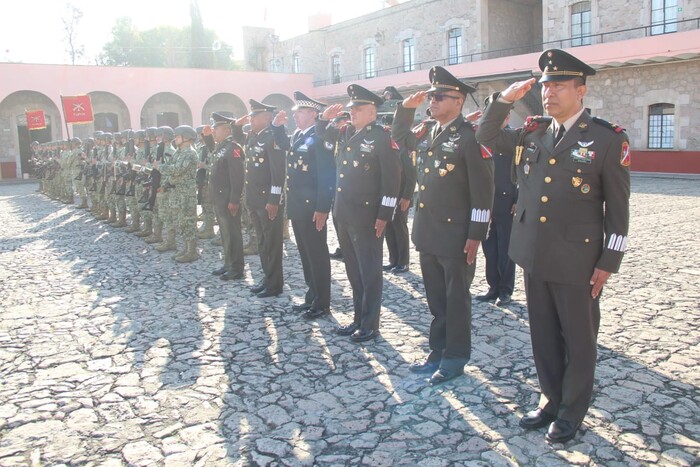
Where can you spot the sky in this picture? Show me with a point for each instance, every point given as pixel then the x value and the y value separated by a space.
pixel 32 30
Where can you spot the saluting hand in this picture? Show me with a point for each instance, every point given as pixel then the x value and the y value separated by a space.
pixel 206 131
pixel 280 118
pixel 242 121
pixel 331 111
pixel 470 249
pixel 414 100
pixel 320 219
pixel 517 90
pixel 598 280
pixel 474 116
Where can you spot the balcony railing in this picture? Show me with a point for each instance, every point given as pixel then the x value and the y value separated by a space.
pixel 605 37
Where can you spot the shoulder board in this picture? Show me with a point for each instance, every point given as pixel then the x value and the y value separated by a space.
pixel 533 121
pixel 612 126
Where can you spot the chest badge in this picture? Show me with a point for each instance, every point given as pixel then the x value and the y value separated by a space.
pixel 585 188
pixel 576 181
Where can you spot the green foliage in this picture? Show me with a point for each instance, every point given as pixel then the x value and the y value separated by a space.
pixel 165 46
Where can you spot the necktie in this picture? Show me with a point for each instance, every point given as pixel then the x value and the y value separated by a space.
pixel 559 135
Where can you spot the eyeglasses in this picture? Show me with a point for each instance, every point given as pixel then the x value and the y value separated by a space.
pixel 439 96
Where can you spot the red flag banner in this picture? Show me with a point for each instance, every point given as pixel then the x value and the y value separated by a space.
pixel 77 109
pixel 36 120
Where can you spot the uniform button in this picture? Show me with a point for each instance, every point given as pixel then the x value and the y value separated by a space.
pixel 543 219
pixel 588 240
pixel 287 177
pixel 246 170
pixel 290 165
pixel 340 189
pixel 552 161
pixel 427 170
pixel 366 203
pixel 422 187
pixel 504 192
pixel 342 175
pixel 347 149
pixel 449 219
pixel 544 199
pixel 430 153
pixel 548 179
pixel 307 201
pixel 345 162
pixel 578 171
pixel 421 205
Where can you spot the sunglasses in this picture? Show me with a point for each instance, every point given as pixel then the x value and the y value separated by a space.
pixel 439 96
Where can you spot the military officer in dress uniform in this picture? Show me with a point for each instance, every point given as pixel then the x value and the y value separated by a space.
pixel 569 232
pixel 500 269
pixel 310 190
pixel 225 191
pixel 397 239
pixel 264 179
pixel 454 205
pixel 368 174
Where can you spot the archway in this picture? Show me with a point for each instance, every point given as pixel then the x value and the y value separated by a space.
pixel 223 101
pixel 165 103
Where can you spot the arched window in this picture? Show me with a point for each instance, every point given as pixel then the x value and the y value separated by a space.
pixel 171 119
pixel 580 24
pixel 454 46
pixel 370 60
pixel 661 128
pixel 106 122
pixel 409 54
pixel 335 68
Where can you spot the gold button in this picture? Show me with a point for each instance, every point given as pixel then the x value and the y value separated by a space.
pixel 544 199
pixel 552 161
pixel 543 219
pixel 345 162
pixel 427 170
pixel 342 175
pixel 578 171
pixel 366 203
pixel 449 219
pixel 246 182
pixel 421 205
pixel 430 153
pixel 588 240
pixel 347 149
pixel 422 187
pixel 548 179
pixel 290 165
pixel 340 189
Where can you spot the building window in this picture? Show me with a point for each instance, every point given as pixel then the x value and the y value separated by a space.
pixel 661 130
pixel 664 14
pixel 454 46
pixel 106 122
pixel 409 54
pixel 296 63
pixel 171 119
pixel 581 24
pixel 370 63
pixel 335 68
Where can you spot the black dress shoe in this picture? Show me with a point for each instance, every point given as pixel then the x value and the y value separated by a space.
pixel 362 335
pixel 264 293
pixel 400 269
pixel 346 330
pixel 535 419
pixel 561 431
pixel 424 367
pixel 256 289
pixel 488 296
pixel 220 271
pixel 388 267
pixel 313 313
pixel 231 276
pixel 443 375
pixel 503 299
pixel 302 307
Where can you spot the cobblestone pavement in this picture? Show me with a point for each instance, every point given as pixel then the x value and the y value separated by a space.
pixel 112 354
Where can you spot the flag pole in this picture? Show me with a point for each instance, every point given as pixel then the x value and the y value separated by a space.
pixel 63 111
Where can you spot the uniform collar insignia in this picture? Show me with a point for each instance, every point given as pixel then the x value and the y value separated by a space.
pixel 585 145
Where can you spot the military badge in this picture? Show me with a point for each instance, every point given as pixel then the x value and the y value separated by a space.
pixel 585 188
pixel 486 153
pixel 583 125
pixel 625 157
pixel 436 163
pixel 394 144
pixel 413 158
pixel 582 155
pixel 518 154
pixel 367 146
pixel 576 181
pixel 261 160
pixel 355 163
pixel 450 167
pixel 455 137
pixel 305 168
pixel 366 166
pixel 449 146
pixel 328 145
pixel 236 153
pixel 442 172
pixel 526 169
pixel 585 144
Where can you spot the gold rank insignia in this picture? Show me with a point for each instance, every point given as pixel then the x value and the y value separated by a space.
pixel 450 167
pixel 518 154
pixel 583 125
pixel 413 156
pixel 442 172
pixel 585 188
pixel 576 181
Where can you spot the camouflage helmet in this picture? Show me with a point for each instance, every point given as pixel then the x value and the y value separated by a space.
pixel 166 133
pixel 139 135
pixel 116 135
pixel 127 134
pixel 34 144
pixel 76 140
pixel 200 129
pixel 186 132
pixel 91 140
pixel 151 133
pixel 107 136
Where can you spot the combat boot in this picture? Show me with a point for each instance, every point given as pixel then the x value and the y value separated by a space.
pixel 190 254
pixel 102 214
pixel 135 223
pixel 121 220
pixel 169 243
pixel 147 230
pixel 83 204
pixel 206 231
pixel 157 235
pixel 111 217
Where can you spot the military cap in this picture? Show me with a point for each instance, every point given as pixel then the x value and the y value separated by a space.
pixel 166 133
pixel 557 65
pixel 302 101
pixel 185 131
pixel 257 107
pixel 443 80
pixel 362 96
pixel 221 117
pixel 394 94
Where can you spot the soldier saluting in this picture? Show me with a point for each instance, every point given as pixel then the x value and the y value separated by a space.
pixel 455 194
pixel 368 175
pixel 569 232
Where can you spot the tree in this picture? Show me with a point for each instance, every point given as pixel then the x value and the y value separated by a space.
pixel 70 28
pixel 165 46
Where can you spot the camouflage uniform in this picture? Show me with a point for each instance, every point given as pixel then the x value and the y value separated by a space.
pixel 182 209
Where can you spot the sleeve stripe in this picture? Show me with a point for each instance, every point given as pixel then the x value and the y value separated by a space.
pixel 481 215
pixel 276 190
pixel 389 201
pixel 617 243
